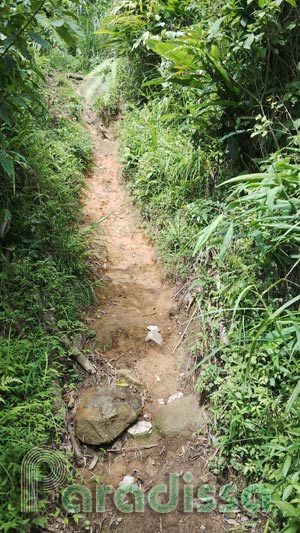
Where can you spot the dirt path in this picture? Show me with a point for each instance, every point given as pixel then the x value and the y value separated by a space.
pixel 134 297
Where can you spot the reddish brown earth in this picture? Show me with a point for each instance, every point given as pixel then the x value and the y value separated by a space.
pixel 134 296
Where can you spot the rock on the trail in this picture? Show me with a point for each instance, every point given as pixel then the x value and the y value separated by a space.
pixel 175 397
pixel 140 429
pixel 153 328
pixel 104 412
pixel 127 481
pixel 181 416
pixel 154 335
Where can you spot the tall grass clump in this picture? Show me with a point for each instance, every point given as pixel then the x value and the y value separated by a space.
pixel 168 171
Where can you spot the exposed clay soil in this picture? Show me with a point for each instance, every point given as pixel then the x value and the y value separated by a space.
pixel 136 294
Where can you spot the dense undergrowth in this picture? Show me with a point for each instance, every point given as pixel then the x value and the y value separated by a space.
pixel 215 96
pixel 44 283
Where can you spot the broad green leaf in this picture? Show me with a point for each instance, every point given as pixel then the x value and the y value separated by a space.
pixel 286 466
pixel 206 233
pixel 249 41
pixel 5 220
pixel 38 39
pixel 287 492
pixel 183 57
pixel 215 26
pixel 66 35
pixel 160 47
pixel 292 398
pixel 213 58
pixel 7 164
pixel 58 23
pixel 244 178
pixel 226 243
pixel 4 113
pixel 287 509
pixel 271 195
pixel 157 81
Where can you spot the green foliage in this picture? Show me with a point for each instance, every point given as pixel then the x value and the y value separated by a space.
pixel 128 24
pixel 256 401
pixel 44 286
pixel 167 187
pixel 245 76
pixel 250 82
pixel 265 208
pixel 90 46
pixel 26 27
pixel 217 97
pixel 105 90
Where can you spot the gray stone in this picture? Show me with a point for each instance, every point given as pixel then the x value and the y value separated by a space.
pixel 181 416
pixel 127 481
pixel 104 412
pixel 175 397
pixel 140 428
pixel 155 336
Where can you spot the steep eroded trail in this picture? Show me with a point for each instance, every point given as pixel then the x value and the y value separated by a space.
pixel 135 295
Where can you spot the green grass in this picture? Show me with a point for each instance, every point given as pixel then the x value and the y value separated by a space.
pixel 170 175
pixel 240 242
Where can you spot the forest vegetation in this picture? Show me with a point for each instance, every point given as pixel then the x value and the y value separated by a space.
pixel 210 147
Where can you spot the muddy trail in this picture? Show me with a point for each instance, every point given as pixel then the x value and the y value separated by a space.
pixel 134 295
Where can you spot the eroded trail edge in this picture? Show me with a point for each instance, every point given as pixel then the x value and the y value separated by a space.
pixel 133 297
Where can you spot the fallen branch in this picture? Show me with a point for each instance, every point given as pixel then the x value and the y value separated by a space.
pixel 76 448
pixel 104 131
pixel 74 76
pixel 134 449
pixel 184 333
pixel 81 359
pixel 94 462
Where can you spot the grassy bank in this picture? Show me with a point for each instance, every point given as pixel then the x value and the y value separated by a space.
pixel 43 281
pixel 238 244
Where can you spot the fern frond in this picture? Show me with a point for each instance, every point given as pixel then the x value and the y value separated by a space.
pixel 6 381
